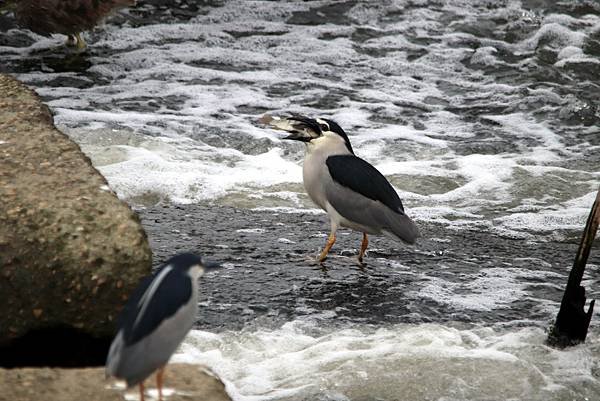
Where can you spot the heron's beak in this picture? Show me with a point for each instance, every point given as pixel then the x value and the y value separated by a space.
pixel 300 128
pixel 298 136
pixel 210 265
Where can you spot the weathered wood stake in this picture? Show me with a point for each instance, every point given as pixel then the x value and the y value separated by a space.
pixel 572 321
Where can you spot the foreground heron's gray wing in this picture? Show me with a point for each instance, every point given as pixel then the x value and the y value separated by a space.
pixel 361 194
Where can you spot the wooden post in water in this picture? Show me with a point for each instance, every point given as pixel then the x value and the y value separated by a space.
pixel 572 321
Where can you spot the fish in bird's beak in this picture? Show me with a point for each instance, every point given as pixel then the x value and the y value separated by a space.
pixel 301 128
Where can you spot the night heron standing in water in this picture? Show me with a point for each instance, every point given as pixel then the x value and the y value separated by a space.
pixel 352 192
pixel 156 318
pixel 69 17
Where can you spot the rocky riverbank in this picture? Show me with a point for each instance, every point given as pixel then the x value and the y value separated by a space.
pixel 70 250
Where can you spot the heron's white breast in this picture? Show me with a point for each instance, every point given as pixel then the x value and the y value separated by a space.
pixel 315 172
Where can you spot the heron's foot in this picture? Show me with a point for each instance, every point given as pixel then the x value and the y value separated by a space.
pixel 319 265
pixel 330 242
pixel 360 262
pixel 363 248
pixel 311 259
pixel 360 259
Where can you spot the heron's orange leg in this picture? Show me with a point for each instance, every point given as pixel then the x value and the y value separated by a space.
pixel 363 247
pixel 330 242
pixel 159 381
pixel 142 391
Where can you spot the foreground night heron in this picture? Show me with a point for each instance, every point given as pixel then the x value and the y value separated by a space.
pixel 352 192
pixel 156 318
pixel 69 17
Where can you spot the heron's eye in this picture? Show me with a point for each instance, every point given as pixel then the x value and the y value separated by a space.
pixel 324 127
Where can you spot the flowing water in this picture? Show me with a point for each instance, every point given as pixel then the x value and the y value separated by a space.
pixel 483 114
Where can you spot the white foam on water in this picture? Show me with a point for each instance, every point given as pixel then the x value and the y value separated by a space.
pixel 251 230
pixel 405 133
pixel 571 214
pixel 413 168
pixel 521 126
pixel 486 178
pixel 483 290
pixel 574 55
pixel 283 209
pixel 301 361
pixel 189 180
pixel 452 138
pixel 556 34
pixel 485 55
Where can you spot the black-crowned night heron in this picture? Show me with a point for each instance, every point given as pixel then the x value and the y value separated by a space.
pixel 69 17
pixel 352 192
pixel 156 318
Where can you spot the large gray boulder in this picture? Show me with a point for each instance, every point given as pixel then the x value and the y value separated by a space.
pixel 70 251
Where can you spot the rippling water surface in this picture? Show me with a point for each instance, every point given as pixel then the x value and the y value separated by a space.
pixel 483 114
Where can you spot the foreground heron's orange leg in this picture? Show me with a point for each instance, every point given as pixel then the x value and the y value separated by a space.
pixel 159 381
pixel 141 391
pixel 330 242
pixel 363 247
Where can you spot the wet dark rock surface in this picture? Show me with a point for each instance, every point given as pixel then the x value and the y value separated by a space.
pixel 269 278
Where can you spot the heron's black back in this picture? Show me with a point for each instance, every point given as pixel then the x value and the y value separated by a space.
pixel 173 292
pixel 353 172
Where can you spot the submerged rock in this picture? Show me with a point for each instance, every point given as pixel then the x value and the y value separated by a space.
pixel 70 250
pixel 188 382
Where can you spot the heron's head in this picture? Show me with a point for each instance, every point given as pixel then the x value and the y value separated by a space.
pixel 306 129
pixel 193 264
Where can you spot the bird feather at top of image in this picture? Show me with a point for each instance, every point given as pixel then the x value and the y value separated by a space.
pixel 67 17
